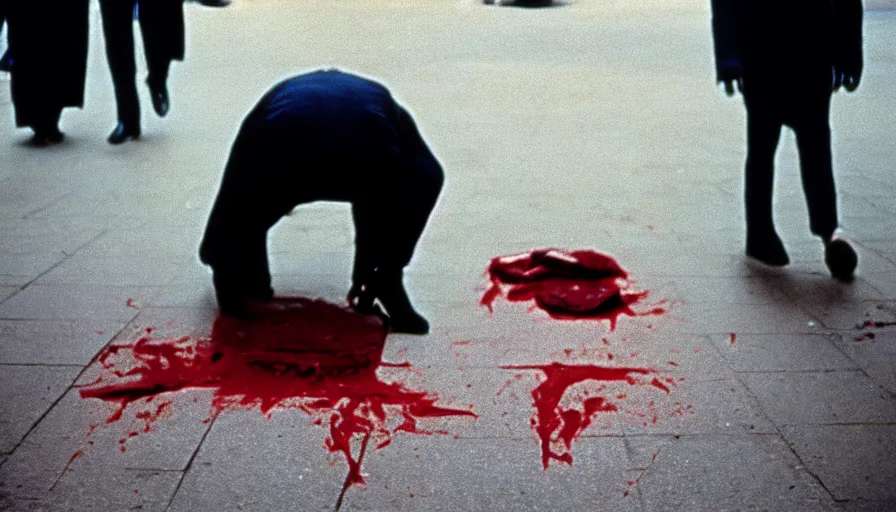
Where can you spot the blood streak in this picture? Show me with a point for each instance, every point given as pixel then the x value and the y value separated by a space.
pixel 293 353
pixel 557 426
pixel 568 285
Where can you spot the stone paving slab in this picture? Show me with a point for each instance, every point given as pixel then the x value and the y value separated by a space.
pixel 75 302
pixel 54 342
pixel 27 393
pixel 488 474
pixel 860 468
pixel 739 472
pixel 248 462
pixel 824 397
pixel 782 353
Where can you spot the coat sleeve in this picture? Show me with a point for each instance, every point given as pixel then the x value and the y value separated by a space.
pixel 848 33
pixel 727 31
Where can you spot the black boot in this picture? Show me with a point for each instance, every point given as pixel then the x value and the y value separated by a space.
pixel 840 258
pixel 124 132
pixel 389 289
pixel 766 246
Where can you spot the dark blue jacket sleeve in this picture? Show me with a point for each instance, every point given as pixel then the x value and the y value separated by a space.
pixel 848 33
pixel 727 30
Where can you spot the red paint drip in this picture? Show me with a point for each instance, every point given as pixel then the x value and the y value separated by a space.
pixel 294 353
pixel 557 426
pixel 732 338
pixel 568 285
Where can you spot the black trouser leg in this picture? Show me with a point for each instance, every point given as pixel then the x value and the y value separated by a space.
pixel 118 29
pixel 368 238
pixel 408 211
pixel 763 132
pixel 813 138
pixel 158 58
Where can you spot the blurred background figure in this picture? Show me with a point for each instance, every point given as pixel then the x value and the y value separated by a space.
pixel 162 28
pixel 50 62
pixel 787 57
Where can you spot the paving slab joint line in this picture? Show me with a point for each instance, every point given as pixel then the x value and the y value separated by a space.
pixel 44 207
pixel 183 474
pixel 46 412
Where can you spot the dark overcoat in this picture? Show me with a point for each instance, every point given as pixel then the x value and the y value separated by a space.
pixel 49 41
pixel 788 45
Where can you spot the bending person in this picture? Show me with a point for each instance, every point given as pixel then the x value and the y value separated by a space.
pixel 162 27
pixel 50 41
pixel 326 136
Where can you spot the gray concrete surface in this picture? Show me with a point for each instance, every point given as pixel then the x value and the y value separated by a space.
pixel 591 124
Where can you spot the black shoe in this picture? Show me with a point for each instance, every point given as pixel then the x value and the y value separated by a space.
pixel 160 101
pixel 123 133
pixel 840 258
pixel 390 291
pixel 767 248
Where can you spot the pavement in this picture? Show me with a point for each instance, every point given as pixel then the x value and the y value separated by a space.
pixel 583 125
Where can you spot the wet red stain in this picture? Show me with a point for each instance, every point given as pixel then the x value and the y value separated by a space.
pixel 557 426
pixel 870 336
pixel 294 353
pixel 732 338
pixel 568 285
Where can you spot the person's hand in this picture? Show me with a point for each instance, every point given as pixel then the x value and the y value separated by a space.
pixel 731 73
pixel 849 81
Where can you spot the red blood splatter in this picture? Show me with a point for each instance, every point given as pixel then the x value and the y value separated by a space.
pixel 557 426
pixel 877 323
pixel 732 338
pixel 131 304
pixel 293 353
pixel 568 285
pixel 461 342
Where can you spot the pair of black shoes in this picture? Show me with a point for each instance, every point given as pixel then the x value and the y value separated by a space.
pixel 839 256
pixel 387 288
pixel 125 131
pixel 45 136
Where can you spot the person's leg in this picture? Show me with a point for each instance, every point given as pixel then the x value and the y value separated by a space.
pixel 813 138
pixel 117 16
pixel 156 47
pixel 405 206
pixel 763 133
pixel 235 240
pixel 46 126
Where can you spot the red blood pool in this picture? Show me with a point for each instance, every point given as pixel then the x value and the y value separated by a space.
pixel 293 353
pixel 557 426
pixel 568 285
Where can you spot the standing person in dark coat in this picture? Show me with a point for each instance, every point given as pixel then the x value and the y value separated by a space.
pixel 786 57
pixel 326 136
pixel 162 27
pixel 50 41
